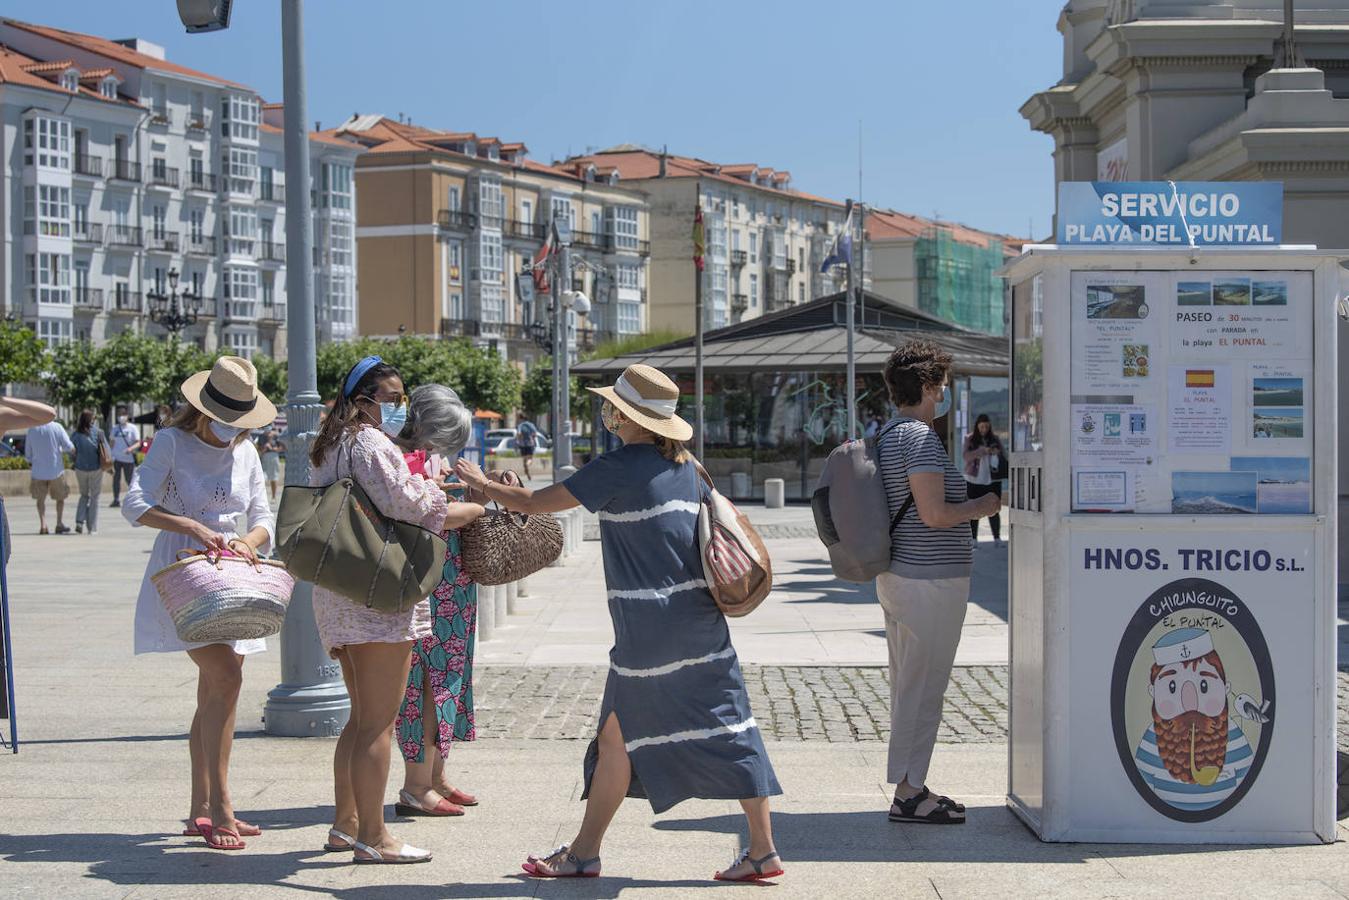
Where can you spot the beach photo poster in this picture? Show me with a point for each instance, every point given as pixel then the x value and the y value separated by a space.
pixel 1214 493
pixel 1194 293
pixel 1276 391
pixel 1283 483
pixel 1278 423
pixel 1273 292
pixel 1116 301
pixel 1115 327
pixel 1232 292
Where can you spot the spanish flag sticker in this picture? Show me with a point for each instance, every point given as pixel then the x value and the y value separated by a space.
pixel 1199 378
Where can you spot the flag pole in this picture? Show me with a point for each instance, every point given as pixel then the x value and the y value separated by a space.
pixel 698 332
pixel 852 330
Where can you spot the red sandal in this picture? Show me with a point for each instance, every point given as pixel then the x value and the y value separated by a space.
pixel 758 874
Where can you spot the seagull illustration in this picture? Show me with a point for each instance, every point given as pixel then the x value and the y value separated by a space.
pixel 1247 708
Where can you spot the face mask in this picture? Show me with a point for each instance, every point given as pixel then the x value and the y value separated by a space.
pixel 226 433
pixel 392 418
pixel 122 420
pixel 609 416
pixel 944 404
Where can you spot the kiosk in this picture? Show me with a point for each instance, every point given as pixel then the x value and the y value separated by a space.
pixel 1173 541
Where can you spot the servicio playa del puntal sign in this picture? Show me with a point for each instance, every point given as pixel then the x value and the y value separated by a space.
pixel 1207 213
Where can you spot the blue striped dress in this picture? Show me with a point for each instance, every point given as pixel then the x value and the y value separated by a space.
pixel 674 681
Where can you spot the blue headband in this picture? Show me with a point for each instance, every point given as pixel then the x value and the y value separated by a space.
pixel 358 372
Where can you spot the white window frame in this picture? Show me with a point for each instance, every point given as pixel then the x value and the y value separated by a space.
pixel 46 142
pixel 48 277
pixel 625 219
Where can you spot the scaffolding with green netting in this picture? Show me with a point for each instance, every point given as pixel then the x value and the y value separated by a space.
pixel 957 280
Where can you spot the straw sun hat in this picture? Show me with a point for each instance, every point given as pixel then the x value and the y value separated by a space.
pixel 648 397
pixel 229 393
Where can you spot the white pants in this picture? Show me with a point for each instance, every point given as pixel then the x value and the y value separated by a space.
pixel 922 627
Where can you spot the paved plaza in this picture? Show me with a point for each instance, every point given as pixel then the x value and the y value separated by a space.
pixel 91 805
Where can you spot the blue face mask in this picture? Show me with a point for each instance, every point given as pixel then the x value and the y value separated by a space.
pixel 944 404
pixel 225 433
pixel 392 418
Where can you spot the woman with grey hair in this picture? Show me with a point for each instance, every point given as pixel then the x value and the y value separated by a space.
pixel 437 706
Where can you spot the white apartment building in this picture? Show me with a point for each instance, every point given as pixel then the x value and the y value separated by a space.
pixel 122 168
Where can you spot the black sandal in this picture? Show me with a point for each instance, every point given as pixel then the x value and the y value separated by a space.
pixel 946 812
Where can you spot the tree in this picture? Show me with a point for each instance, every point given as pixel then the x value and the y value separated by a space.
pixel 537 394
pixel 22 353
pixel 272 378
pixel 76 375
pixel 176 362
pixel 484 380
pixel 635 343
pixel 335 359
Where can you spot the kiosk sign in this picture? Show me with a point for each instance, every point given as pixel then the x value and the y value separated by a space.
pixel 1216 213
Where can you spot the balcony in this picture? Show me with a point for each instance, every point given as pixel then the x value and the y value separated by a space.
pixel 128 303
pixel 738 258
pixel 531 231
pixel 88 166
pixel 161 117
pixel 164 242
pixel 269 251
pixel 163 177
pixel 739 302
pixel 791 267
pixel 238 246
pixel 597 240
pixel 272 192
pixel 585 339
pixel 124 170
pixel 87 232
pixel 196 121
pixel 200 245
pixel 272 313
pixel 456 220
pixel 87 299
pixel 201 181
pixel 123 236
pixel 455 328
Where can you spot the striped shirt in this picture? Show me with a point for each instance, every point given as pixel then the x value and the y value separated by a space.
pixel 1184 795
pixel 917 551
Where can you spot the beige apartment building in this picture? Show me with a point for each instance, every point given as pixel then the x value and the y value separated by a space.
pixel 448 220
pixel 765 240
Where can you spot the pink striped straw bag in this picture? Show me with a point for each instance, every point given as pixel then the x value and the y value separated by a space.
pixel 213 596
pixel 735 561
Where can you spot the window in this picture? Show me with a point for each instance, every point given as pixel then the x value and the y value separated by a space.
pixel 527 212
pixel 241 292
pixel 753 291
pixel 560 209
pixel 456 305
pixel 70 80
pixel 49 277
pixel 241 167
pixel 196 170
pixel 242 343
pixel 195 218
pixel 243 225
pixel 54 331
pixel 341 310
pixel 735 240
pixel 493 300
pixel 340 244
pixel 80 219
pixel 161 102
pixel 158 218
pixel 158 278
pixel 198 282
pixel 456 262
pixel 453 200
pixel 800 259
pixel 801 292
pixel 265 231
pixel 779 250
pixel 489 202
pixel 625 227
pixel 489 257
pixel 108 88
pixel 716 238
pixel 629 318
pixel 239 117
pixel 198 118
pixel 46 142
pixel 628 277
pixel 335 186
pixel 754 246
pixel 595 223
pixel 267 283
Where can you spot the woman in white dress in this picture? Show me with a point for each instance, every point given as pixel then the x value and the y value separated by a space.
pixel 199 477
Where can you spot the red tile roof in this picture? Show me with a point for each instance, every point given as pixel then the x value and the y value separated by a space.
pixel 635 163
pixel 322 137
pixel 46 68
pixel 115 51
pixel 16 68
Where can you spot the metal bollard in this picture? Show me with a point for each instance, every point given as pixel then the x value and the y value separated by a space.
pixel 487 613
pixel 512 595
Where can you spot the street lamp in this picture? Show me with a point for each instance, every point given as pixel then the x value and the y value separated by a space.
pixel 167 313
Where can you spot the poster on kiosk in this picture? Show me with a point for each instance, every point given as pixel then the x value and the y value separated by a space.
pixel 1173 520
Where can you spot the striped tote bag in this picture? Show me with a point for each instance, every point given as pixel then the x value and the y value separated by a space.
pixel 735 562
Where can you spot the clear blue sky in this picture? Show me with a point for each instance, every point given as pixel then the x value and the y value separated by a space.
pixel 936 84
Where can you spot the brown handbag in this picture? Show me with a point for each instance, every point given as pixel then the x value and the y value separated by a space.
pixel 501 546
pixel 104 457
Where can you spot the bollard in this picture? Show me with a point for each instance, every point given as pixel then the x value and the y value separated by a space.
pixel 499 596
pixel 578 527
pixel 742 485
pixel 523 591
pixel 774 493
pixel 486 614
pixel 512 595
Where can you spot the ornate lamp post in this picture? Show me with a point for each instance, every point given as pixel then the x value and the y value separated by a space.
pixel 168 313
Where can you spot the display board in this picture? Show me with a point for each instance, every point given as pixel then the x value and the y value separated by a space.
pixel 1191 392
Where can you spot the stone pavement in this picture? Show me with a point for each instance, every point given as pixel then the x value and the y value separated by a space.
pixel 90 806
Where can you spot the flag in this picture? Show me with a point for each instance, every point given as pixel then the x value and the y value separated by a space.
pixel 1199 378
pixel 539 268
pixel 841 251
pixel 699 241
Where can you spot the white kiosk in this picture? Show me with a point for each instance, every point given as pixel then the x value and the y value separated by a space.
pixel 1173 538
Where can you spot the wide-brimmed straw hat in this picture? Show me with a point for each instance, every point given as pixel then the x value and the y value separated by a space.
pixel 228 392
pixel 648 397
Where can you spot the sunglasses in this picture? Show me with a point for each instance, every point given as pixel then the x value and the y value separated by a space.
pixel 399 399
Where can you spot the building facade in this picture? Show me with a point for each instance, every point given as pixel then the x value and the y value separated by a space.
pixel 122 168
pixel 447 221
pixel 765 240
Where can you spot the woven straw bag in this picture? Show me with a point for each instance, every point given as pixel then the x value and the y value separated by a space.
pixel 213 596
pixel 501 546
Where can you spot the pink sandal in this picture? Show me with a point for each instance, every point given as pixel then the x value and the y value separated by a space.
pixel 209 832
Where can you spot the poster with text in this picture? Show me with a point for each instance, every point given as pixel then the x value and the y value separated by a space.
pixel 1115 332
pixel 1199 409
pixel 1240 316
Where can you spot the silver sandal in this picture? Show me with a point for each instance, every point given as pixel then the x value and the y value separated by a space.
pixel 406 854
pixel 758 874
pixel 580 867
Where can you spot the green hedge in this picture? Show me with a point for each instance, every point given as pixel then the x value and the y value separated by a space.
pixel 13 463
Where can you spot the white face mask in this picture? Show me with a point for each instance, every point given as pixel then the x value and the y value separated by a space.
pixel 122 420
pixel 226 433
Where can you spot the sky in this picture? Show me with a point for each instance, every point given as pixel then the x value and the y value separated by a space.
pixel 935 85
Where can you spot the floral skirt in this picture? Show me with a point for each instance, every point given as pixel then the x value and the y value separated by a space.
pixel 445 657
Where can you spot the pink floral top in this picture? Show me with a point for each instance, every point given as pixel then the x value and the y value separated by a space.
pixel 378 467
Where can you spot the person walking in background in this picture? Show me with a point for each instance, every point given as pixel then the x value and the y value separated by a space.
pixel 983 458
pixel 44 448
pixel 437 708
pixel 91 448
pixel 124 440
pixel 926 590
pixel 374 648
pixel 198 478
pixel 526 441
pixel 16 413
pixel 675 721
pixel 270 449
